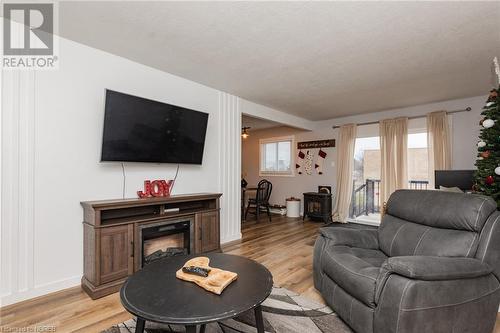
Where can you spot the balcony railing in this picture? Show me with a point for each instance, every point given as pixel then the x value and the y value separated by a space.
pixel 366 197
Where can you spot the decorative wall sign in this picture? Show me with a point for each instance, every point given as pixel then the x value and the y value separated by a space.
pixel 156 188
pixel 316 144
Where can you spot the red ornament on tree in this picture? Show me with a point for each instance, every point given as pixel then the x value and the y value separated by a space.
pixel 486 154
pixel 489 180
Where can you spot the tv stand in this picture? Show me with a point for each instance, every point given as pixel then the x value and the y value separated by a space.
pixel 112 242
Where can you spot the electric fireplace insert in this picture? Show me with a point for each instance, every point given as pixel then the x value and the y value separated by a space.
pixel 166 238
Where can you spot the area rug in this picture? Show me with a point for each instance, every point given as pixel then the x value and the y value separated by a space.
pixel 283 311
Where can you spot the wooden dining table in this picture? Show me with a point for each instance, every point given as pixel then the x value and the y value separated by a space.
pixel 244 190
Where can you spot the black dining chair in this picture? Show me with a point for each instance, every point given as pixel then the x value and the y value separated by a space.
pixel 261 200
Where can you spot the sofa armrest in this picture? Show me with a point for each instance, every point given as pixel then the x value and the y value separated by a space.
pixel 410 305
pixel 436 268
pixel 363 238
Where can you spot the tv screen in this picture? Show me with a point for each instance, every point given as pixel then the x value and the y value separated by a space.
pixel 141 130
pixel 463 179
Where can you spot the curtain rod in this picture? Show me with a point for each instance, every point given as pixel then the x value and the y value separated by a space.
pixel 467 109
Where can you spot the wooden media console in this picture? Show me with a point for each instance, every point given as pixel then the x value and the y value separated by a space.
pixel 121 236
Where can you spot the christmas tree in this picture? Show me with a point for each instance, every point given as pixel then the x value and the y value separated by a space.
pixel 487 176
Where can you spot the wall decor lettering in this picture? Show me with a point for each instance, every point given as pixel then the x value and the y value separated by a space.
pixel 316 144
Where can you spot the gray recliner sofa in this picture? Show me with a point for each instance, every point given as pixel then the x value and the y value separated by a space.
pixel 433 265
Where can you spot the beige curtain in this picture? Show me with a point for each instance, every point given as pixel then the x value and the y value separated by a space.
pixel 438 143
pixel 394 150
pixel 345 165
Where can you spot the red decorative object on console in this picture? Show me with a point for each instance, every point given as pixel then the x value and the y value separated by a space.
pixel 156 188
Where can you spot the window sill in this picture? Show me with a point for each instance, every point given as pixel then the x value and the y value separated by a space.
pixel 271 174
pixel 364 222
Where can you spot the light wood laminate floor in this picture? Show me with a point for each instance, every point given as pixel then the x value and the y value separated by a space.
pixel 283 246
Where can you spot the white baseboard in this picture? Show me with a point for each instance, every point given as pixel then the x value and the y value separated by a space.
pixel 39 290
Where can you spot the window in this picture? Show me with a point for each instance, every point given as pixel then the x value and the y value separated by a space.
pixel 418 160
pixel 276 156
pixel 365 204
pixel 366 160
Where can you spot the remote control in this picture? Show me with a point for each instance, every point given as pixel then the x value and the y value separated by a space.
pixel 200 271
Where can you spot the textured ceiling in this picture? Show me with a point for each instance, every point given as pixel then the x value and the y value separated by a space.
pixel 317 60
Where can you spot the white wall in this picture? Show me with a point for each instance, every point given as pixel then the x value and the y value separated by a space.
pixel 50 147
pixel 465 131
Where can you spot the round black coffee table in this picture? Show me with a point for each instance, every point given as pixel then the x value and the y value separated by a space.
pixel 155 294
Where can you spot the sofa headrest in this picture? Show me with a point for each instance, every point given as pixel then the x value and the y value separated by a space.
pixel 441 209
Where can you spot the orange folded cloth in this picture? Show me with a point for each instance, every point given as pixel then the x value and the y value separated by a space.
pixel 216 280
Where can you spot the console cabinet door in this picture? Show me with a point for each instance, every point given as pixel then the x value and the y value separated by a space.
pixel 208 229
pixel 116 252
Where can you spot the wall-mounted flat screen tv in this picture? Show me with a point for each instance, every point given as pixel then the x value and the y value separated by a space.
pixel 141 130
pixel 463 179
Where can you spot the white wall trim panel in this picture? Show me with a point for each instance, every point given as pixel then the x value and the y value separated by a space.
pixel 17 199
pixel 230 166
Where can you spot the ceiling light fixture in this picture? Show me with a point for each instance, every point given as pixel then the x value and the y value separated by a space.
pixel 244 133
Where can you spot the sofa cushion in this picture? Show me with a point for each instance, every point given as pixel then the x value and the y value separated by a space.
pixel 363 238
pixel 441 209
pixel 436 268
pixel 355 270
pixel 398 237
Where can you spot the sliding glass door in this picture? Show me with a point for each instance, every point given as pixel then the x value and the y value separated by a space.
pixel 365 202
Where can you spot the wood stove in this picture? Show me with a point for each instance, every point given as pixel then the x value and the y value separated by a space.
pixel 165 238
pixel 318 206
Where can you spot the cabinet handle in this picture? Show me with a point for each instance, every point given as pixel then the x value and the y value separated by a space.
pixel 131 249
